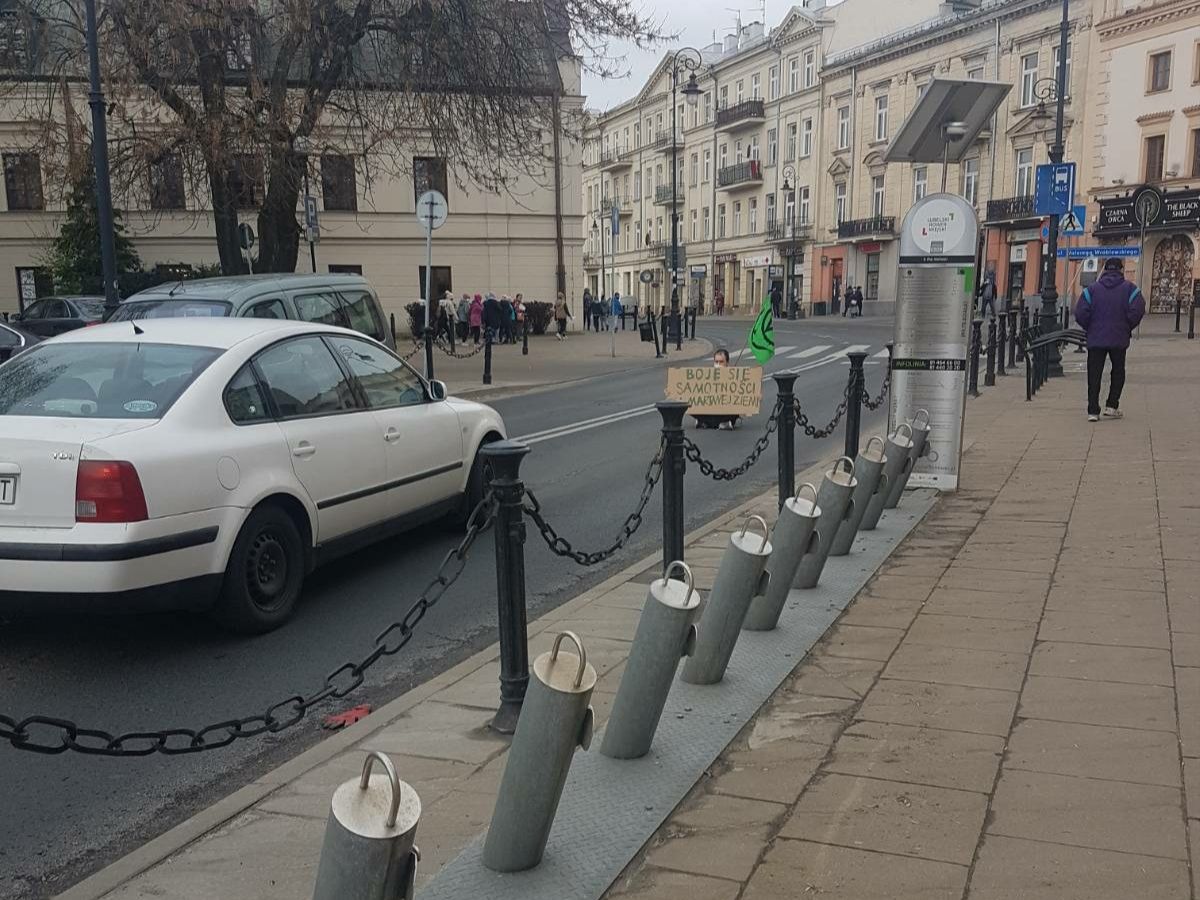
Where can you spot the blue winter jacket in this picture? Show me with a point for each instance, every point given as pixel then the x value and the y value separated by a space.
pixel 1109 310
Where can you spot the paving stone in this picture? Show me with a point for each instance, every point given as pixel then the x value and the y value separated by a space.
pixel 1185 649
pixel 983 604
pixel 597 621
pixel 880 613
pixel 1102 628
pixel 899 587
pixel 861 642
pixel 1148 707
pixel 1089 812
pixel 440 731
pixel 1191 788
pixel 1107 602
pixel 951 759
pixel 1094 751
pixel 625 596
pixel 988 560
pixel 889 816
pixel 1187 692
pixel 447 827
pixel 801 869
pixel 480 689
pixel 1118 577
pixel 972 634
pixel 1014 869
pixel 998 583
pixel 950 706
pixel 835 676
pixel 918 568
pixel 663 884
pixel 799 717
pixel 1133 665
pixel 954 665
pixel 695 835
pixel 777 772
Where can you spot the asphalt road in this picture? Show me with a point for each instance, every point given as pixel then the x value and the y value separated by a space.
pixel 62 817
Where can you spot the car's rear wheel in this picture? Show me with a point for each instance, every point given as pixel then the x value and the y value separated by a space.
pixel 265 573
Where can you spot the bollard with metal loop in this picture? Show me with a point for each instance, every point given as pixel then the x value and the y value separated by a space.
pixel 505 459
pixel 1013 338
pixel 854 394
pixel 556 720
pixel 919 428
pixel 792 537
pixel 1002 346
pixel 368 851
pixel 835 500
pixel 973 364
pixel 785 385
pixel 741 577
pixel 989 375
pixel 868 469
pixel 891 349
pixel 665 634
pixel 674 467
pixel 525 338
pixel 487 356
pixel 898 452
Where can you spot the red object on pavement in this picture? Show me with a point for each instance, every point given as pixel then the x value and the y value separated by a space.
pixel 343 719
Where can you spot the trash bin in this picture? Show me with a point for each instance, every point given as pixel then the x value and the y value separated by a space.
pixel 647 332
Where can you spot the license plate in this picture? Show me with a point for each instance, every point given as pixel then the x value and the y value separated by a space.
pixel 8 490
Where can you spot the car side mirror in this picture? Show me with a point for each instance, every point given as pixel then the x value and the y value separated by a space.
pixel 437 390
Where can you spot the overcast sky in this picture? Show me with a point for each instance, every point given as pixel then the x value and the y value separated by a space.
pixel 695 21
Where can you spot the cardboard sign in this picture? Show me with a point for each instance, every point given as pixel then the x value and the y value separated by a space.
pixel 709 391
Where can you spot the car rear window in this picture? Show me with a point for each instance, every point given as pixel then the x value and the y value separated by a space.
pixel 167 308
pixel 100 380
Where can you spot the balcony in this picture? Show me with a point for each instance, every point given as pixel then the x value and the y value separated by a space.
pixel 780 230
pixel 876 226
pixel 1011 209
pixel 591 261
pixel 622 203
pixel 741 175
pixel 614 160
pixel 746 114
pixel 664 144
pixel 662 195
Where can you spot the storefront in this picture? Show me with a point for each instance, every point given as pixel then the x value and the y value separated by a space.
pixel 756 270
pixel 1013 247
pixel 871 253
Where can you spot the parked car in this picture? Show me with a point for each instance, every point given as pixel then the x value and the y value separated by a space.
pixel 347 301
pixel 14 339
pixel 213 463
pixel 48 316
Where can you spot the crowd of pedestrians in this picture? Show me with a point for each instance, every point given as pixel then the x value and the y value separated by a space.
pixel 474 318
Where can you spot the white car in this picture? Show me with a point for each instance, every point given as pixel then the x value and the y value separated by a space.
pixel 183 463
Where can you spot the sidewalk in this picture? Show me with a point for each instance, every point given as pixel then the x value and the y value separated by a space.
pixel 1012 708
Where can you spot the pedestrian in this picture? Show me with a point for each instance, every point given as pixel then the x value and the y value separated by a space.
pixel 617 309
pixel 719 301
pixel 849 299
pixel 587 308
pixel 561 314
pixel 506 319
pixel 858 300
pixel 776 300
pixel 519 309
pixel 492 320
pixel 464 317
pixel 475 317
pixel 987 295
pixel 1108 312
pixel 447 318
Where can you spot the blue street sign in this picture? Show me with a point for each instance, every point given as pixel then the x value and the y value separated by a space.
pixel 1070 225
pixel 616 219
pixel 1105 252
pixel 1054 189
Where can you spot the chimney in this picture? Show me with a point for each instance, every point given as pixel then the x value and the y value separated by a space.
pixel 731 44
pixel 751 34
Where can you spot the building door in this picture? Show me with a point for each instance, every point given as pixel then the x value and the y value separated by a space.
pixel 836 284
pixel 439 284
pixel 1016 281
pixel 1171 274
pixel 872 291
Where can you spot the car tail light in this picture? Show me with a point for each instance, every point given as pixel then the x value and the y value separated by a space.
pixel 108 491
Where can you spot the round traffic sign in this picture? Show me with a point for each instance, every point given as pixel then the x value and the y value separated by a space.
pixel 646 277
pixel 432 210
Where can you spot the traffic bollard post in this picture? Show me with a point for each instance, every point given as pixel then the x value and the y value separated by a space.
pixel 786 449
pixel 919 428
pixel 1002 345
pixel 1192 320
pixel 868 470
pixel 525 338
pixel 674 468
pixel 1013 339
pixel 740 578
pixel 505 460
pixel 792 537
pixel 666 633
pixel 368 852
pixel 557 720
pixel 854 393
pixel 989 374
pixel 834 498
pixel 891 349
pixel 898 451
pixel 976 337
pixel 487 356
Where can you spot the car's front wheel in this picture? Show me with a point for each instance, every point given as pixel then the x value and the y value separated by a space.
pixel 265 574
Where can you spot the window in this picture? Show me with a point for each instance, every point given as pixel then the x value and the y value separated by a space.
pixel 737 218
pixel 1160 72
pixel 772 146
pixel 339 188
pixel 755 86
pixel 752 150
pixel 770 209
pixel 810 68
pixel 23 180
pixel 429 174
pixel 791 141
pixel 975 73
pixel 920 183
pixel 720 220
pixel 658 228
pixel 1156 147
pixel 706 215
pixel 724 97
pixel 802 213
pixel 707 107
pixel 246 180
pixel 359 306
pixel 806 136
pixel 266 309
pixel 649 182
pixel 722 156
pixel 921 89
pixel 637 186
pixel 244 400
pixel 1025 172
pixel 15 41
pixel 773 82
pixel 970 180
pixel 843 127
pixel 386 382
pixel 1029 73
pixel 881 118
pixel 694 177
pixel 304 379
pixel 637 134
pixel 752 216
pixel 877 195
pixel 1196 152
pixel 789 207
pixel 739 92
pixel 793 75
pixel 166 182
pixel 839 201
pixel 695 227
pixel 1054 74
pixel 707 166
pixel 322 309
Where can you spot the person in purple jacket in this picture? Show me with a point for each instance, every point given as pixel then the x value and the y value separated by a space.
pixel 1108 312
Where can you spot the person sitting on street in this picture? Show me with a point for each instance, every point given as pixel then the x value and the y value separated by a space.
pixel 725 423
pixel 1108 311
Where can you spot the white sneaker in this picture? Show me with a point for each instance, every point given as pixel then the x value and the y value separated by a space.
pixel 1110 413
pixel 1093 418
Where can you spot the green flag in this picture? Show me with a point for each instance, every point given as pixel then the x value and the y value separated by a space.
pixel 762 335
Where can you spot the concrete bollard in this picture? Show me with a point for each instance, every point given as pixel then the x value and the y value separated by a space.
pixel 793 536
pixel 835 500
pixel 868 469
pixel 555 719
pixel 898 451
pixel 665 633
pixel 740 578
pixel 368 852
pixel 920 436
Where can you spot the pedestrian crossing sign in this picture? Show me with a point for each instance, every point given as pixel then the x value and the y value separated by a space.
pixel 1071 224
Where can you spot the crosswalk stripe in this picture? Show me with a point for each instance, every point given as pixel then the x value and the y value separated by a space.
pixel 882 354
pixel 811 351
pixel 779 351
pixel 854 348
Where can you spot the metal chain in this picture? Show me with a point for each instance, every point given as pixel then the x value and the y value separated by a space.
pixel 828 430
pixel 446 349
pixel 417 348
pixel 883 392
pixel 560 546
pixel 692 452
pixel 50 735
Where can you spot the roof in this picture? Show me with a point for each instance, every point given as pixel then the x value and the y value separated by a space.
pixel 859 22
pixel 221 333
pixel 233 287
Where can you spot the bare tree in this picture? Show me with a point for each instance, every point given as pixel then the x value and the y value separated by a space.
pixel 242 93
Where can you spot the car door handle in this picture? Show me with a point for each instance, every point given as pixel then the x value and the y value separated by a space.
pixel 303 450
pixel 391 435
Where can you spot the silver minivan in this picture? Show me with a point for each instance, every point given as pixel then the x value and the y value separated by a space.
pixel 334 299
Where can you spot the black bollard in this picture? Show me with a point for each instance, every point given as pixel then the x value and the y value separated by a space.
pixel 1001 344
pixel 1192 321
pixel 487 356
pixel 525 338
pixel 392 325
pixel 654 333
pixel 1014 338
pixel 973 364
pixel 785 383
pixel 505 459
pixel 854 393
pixel 674 467
pixel 429 332
pixel 1178 311
pixel 891 349
pixel 989 375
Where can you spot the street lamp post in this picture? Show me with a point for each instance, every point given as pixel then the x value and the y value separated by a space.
pixel 789 175
pixel 685 59
pixel 108 251
pixel 1049 316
